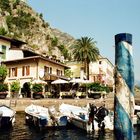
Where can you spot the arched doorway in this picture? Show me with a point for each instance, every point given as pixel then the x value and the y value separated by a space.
pixel 26 90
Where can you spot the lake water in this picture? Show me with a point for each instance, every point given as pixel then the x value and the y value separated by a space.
pixel 21 131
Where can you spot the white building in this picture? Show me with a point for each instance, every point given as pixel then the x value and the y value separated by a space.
pixel 26 66
pixel 102 71
pixel 10 48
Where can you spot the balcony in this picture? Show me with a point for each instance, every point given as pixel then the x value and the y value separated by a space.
pixel 52 77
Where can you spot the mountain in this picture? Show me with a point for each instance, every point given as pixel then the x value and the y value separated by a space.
pixel 18 20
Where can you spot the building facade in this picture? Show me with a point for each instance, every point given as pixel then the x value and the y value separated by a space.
pixel 26 66
pixel 100 71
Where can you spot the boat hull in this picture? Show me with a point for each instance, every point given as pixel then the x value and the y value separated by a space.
pixel 81 124
pixel 79 117
pixel 41 117
pixel 7 116
pixel 6 122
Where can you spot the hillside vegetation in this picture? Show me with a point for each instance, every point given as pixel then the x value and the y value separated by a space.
pixel 18 20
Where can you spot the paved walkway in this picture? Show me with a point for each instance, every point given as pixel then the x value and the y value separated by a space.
pixel 22 103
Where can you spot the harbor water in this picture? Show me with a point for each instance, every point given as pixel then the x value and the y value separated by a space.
pixel 20 131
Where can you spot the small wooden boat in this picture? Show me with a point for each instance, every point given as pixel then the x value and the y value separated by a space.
pixel 44 117
pixel 7 116
pixel 79 116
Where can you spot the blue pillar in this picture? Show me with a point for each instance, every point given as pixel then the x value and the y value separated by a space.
pixel 124 87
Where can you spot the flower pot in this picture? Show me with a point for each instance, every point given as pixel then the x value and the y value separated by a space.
pixel 37 95
pixel 3 95
pixel 14 94
pixel 95 95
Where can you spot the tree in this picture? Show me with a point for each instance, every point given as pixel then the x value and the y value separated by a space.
pixel 64 51
pixel 85 50
pixel 68 73
pixel 3 31
pixel 5 6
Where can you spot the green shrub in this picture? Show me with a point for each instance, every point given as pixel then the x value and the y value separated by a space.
pixel 5 5
pixel 3 87
pixel 3 73
pixel 37 88
pixel 23 21
pixel 15 86
pixel 98 87
pixel 3 31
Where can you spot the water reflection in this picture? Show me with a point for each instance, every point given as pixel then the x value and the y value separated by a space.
pixel 21 131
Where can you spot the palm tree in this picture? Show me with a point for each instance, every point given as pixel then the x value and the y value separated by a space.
pixel 85 50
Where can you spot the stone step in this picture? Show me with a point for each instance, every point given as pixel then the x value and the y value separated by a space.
pixel 13 103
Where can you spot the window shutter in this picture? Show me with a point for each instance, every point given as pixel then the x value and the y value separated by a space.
pixel 23 70
pixel 15 71
pixel 27 70
pixel 9 72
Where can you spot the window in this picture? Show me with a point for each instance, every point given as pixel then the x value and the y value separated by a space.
pixel 59 72
pixel 13 72
pixel 25 70
pixel 9 73
pixel 48 70
pixel 4 52
pixel 100 62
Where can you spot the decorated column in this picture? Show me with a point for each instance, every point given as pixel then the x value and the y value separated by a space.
pixel 124 87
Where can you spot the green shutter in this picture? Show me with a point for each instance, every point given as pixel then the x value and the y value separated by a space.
pixel 4 52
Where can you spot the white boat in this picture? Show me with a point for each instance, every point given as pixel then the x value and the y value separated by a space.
pixel 7 116
pixel 79 116
pixel 136 118
pixel 44 117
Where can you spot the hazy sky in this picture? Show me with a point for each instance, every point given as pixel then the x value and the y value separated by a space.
pixel 98 19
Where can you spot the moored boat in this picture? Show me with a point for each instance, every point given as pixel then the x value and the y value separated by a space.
pixel 79 116
pixel 136 118
pixel 7 116
pixel 44 117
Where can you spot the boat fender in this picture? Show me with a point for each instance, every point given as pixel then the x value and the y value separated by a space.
pixel 27 118
pixel 13 120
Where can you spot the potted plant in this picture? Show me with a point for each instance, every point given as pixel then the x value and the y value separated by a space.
pixel 37 90
pixel 3 90
pixel 14 88
pixel 96 90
